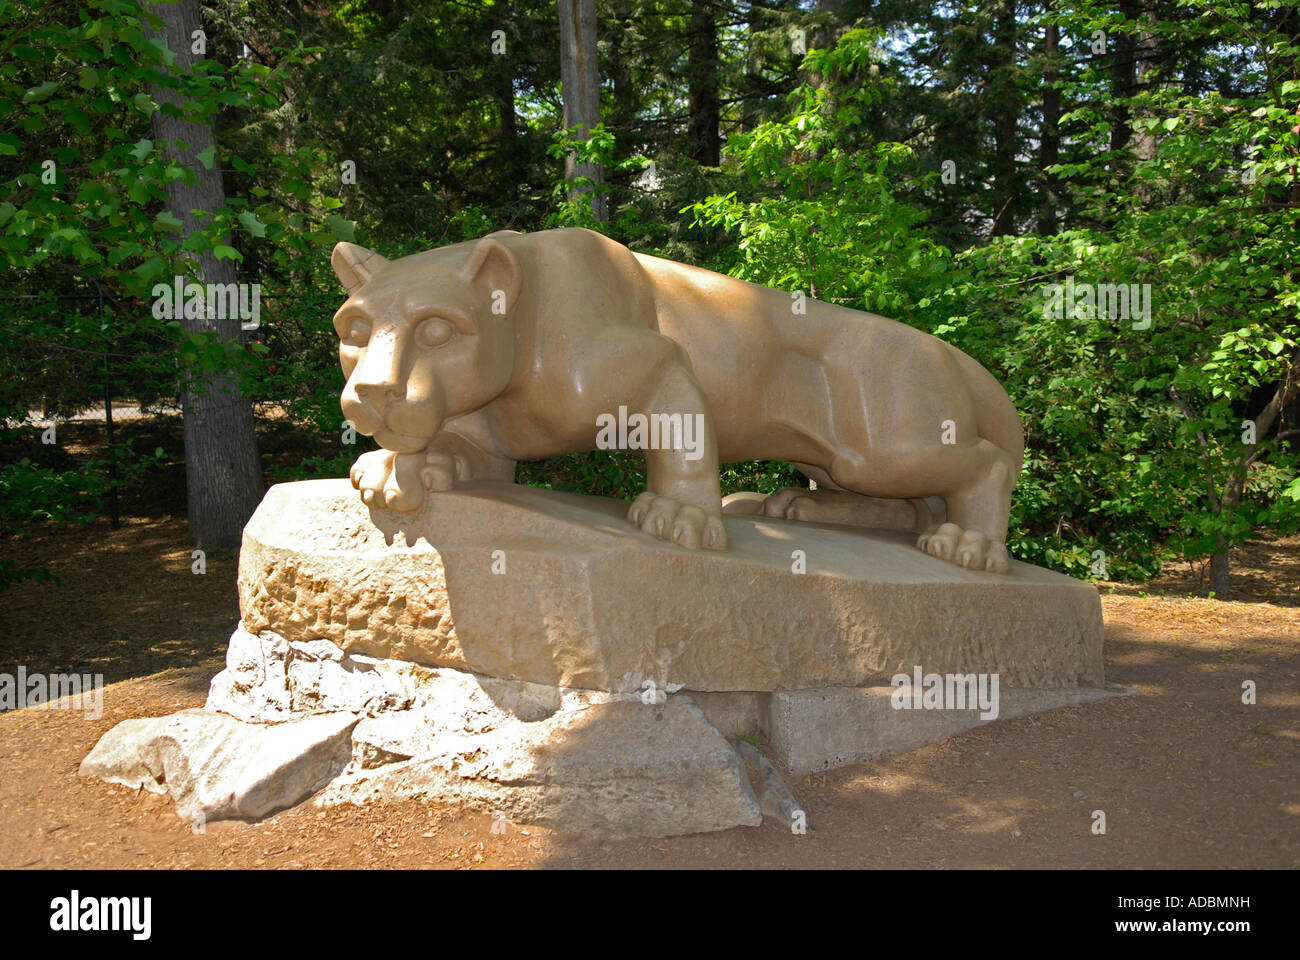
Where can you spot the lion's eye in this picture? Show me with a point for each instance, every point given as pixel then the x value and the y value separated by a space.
pixel 434 332
pixel 359 333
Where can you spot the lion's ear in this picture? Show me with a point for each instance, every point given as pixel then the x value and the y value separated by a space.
pixel 492 267
pixel 354 265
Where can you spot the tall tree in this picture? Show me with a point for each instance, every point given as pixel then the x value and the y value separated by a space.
pixel 626 95
pixel 1049 137
pixel 1005 105
pixel 508 159
pixel 580 85
pixel 1123 52
pixel 223 475
pixel 1145 140
pixel 703 136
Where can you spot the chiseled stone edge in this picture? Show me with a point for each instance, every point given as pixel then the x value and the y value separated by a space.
pixel 956 622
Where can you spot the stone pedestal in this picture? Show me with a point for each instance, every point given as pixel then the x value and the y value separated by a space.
pixel 560 589
pixel 531 654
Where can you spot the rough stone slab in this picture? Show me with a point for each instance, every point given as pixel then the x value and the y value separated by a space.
pixel 270 680
pixel 775 798
pixel 574 759
pixel 605 763
pixel 216 767
pixel 586 600
pixel 811 730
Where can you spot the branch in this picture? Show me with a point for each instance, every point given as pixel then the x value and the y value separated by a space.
pixel 1286 390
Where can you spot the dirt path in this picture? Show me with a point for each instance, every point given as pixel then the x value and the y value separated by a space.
pixel 1188 776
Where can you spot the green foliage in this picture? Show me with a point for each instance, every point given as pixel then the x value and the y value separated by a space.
pixel 1134 436
pixel 1183 177
pixel 602 473
pixel 11 573
pixel 84 187
pixel 31 493
pixel 621 475
pixel 320 468
pixel 817 217
pixel 34 494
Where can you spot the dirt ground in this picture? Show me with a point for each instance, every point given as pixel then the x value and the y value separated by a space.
pixel 1187 775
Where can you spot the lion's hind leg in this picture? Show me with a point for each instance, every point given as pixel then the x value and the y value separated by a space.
pixel 975 535
pixel 843 506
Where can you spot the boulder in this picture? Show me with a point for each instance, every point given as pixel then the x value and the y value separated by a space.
pixel 217 767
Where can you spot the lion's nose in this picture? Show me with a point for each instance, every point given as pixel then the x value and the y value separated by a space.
pixel 377 395
pixel 378 380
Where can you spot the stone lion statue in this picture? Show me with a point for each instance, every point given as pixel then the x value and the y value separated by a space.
pixel 462 360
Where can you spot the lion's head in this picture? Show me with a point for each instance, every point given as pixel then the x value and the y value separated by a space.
pixel 424 338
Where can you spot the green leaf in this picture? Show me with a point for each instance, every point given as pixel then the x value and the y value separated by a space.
pixel 150 268
pixel 40 91
pixel 79 119
pixel 196 242
pixel 253 225
pixel 340 228
pixel 142 150
pixel 89 78
pixel 206 157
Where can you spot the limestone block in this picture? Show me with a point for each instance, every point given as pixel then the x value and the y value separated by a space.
pixel 605 763
pixel 270 680
pixel 734 713
pixel 775 798
pixel 811 730
pixel 558 589
pixel 576 759
pixel 216 767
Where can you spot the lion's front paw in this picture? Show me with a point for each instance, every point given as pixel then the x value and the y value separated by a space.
pixel 442 471
pixel 388 480
pixel 681 523
pixel 966 548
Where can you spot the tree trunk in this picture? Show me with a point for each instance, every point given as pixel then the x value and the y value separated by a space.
pixel 510 173
pixel 702 81
pixel 223 475
pixel 1005 103
pixel 752 82
pixel 828 33
pixel 624 119
pixel 1219 579
pixel 1123 53
pixel 580 86
pixel 1145 142
pixel 831 25
pixel 1049 137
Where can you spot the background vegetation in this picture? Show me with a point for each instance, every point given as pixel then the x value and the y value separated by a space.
pixel 942 164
